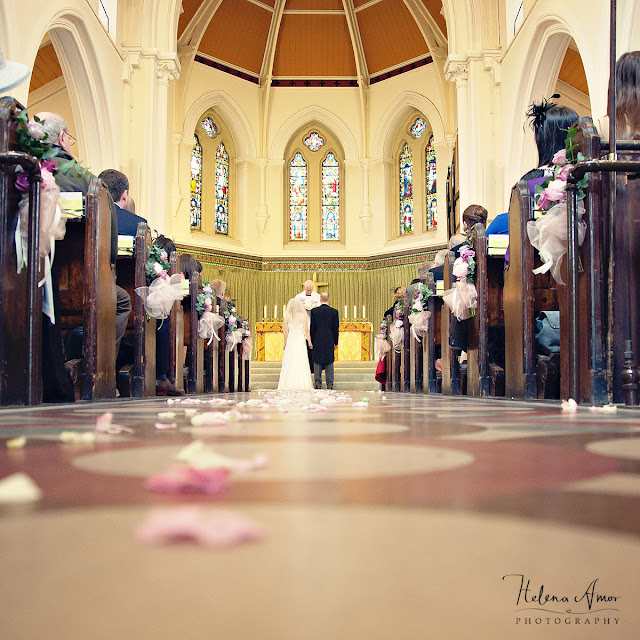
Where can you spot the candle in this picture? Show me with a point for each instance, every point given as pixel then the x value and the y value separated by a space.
pixel 345 311
pixel 284 311
pixel 355 313
pixel 217 308
pixel 363 315
pixel 275 312
pixel 264 315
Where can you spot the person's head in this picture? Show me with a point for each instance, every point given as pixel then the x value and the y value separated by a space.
pixel 324 298
pixel 308 286
pixel 56 129
pixel 167 244
pixel 423 270
pixel 399 293
pixel 440 256
pixel 628 96
pixel 454 241
pixel 296 311
pixel 474 214
pixel 218 287
pixel 550 123
pixel 188 265
pixel 118 185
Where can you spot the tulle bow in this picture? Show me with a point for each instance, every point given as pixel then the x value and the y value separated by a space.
pixel 419 324
pixel 159 297
pixel 382 347
pixel 208 326
pixel 462 298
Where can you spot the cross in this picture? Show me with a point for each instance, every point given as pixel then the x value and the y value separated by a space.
pixel 317 284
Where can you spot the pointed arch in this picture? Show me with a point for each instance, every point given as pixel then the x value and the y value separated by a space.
pixel 307 117
pixel 398 110
pixel 232 114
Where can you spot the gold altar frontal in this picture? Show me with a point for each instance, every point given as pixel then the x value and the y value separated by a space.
pixel 354 341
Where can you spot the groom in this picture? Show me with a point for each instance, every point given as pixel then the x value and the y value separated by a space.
pixel 325 325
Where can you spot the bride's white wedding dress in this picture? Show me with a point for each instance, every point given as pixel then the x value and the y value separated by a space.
pixel 295 374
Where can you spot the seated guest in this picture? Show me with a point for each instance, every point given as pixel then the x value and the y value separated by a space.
pixel 398 294
pixel 550 123
pixel 423 272
pixel 58 134
pixel 499 225
pixel 131 205
pixel 118 185
pixel 627 99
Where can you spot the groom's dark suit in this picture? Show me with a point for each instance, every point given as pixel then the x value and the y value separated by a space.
pixel 325 324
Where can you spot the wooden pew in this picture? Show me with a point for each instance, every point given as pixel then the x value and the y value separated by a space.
pixel 140 377
pixel 485 377
pixel 195 354
pixel 432 339
pixel 20 298
pixel 524 296
pixel 176 347
pixel 87 294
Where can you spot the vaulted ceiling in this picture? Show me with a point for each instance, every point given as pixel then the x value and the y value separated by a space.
pixel 315 38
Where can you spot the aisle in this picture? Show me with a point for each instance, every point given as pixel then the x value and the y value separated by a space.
pixel 386 515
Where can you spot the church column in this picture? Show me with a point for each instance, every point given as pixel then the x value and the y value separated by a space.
pixel 262 214
pixel 365 212
pixel 176 192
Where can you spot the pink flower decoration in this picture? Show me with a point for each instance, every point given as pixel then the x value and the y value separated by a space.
pixel 216 529
pixel 563 174
pixel 460 268
pixel 49 165
pixel 207 305
pixel 232 320
pixel 543 201
pixel 560 158
pixel 22 182
pixel 35 129
pixel 157 267
pixel 417 305
pixel 556 190
pixel 163 255
pixel 184 479
pixel 208 290
pixel 399 324
pixel 47 178
pixel 467 252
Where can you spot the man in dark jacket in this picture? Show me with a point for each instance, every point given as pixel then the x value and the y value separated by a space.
pixel 58 134
pixel 118 185
pixel 325 324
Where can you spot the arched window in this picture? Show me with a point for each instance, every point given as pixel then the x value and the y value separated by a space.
pixel 314 187
pixel 330 198
pixel 212 177
pixel 222 190
pixel 298 190
pixel 406 190
pixel 196 184
pixel 432 199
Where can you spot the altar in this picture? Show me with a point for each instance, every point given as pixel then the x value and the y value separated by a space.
pixel 354 341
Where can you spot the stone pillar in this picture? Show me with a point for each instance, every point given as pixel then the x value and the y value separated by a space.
pixel 262 215
pixel 365 212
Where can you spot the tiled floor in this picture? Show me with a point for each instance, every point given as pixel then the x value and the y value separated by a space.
pixel 409 517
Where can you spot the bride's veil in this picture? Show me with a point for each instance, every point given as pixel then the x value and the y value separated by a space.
pixel 296 312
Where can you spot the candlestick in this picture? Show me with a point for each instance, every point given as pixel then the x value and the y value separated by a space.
pixel 275 312
pixel 355 312
pixel 345 311
pixel 264 315
pixel 284 311
pixel 363 315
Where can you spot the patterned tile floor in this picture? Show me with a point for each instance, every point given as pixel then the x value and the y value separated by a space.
pixel 409 517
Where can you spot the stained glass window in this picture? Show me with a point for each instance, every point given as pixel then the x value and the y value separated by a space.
pixel 406 190
pixel 314 141
pixel 196 183
pixel 418 128
pixel 432 200
pixel 330 198
pixel 298 198
pixel 222 190
pixel 209 127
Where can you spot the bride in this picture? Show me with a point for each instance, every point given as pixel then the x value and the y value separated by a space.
pixel 295 374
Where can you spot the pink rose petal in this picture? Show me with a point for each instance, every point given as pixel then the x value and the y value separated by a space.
pixel 185 479
pixel 216 529
pixel 569 405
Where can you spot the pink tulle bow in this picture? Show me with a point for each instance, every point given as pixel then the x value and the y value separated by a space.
pixel 462 298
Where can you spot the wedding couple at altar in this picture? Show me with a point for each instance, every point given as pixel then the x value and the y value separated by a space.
pixel 309 319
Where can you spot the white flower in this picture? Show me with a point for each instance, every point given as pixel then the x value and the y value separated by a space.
pixel 157 267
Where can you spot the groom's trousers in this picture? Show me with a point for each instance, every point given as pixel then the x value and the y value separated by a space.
pixel 328 374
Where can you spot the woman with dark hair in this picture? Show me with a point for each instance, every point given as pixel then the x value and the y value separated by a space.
pixel 627 99
pixel 189 265
pixel 550 123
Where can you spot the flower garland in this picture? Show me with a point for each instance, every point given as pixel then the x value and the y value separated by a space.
pixel 462 298
pixel 162 290
pixel 419 315
pixel 381 343
pixel 209 322
pixel 548 233
pixel 247 341
pixel 233 331
pixel 397 333
pixel 157 265
pixel 384 328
